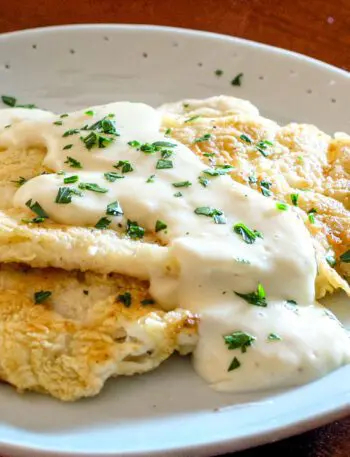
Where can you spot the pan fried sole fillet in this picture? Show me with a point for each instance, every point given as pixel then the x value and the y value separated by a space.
pixel 281 162
pixel 296 162
pixel 91 328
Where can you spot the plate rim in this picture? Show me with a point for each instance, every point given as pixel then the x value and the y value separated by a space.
pixel 234 444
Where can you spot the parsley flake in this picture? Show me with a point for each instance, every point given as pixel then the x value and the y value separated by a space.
pixel 219 72
pixel 217 215
pixel 273 337
pixel 114 209
pixel 58 123
pixel 126 299
pixel 103 223
pixel 125 166
pixel 311 215
pixel 265 188
pixel 234 364
pixel 150 179
pixel 71 179
pixel 64 195
pixel 67 146
pixel 191 119
pixel 239 340
pixel 134 230
pixel 163 164
pixel 345 257
pixel 237 80
pixel 294 198
pixel 160 225
pixel 93 187
pixel 246 138
pixel 37 209
pixel 112 176
pixel 147 301
pixel 182 184
pixel 178 194
pixel 203 181
pixel 41 296
pixel 20 181
pixel 257 298
pixel 281 206
pixel 73 163
pixel 249 236
pixel 201 139
pixel 70 132
pixel 219 170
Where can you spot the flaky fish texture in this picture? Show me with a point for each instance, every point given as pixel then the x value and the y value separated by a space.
pixel 297 164
pixel 92 327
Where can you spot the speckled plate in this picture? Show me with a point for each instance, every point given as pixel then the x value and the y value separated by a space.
pixel 170 412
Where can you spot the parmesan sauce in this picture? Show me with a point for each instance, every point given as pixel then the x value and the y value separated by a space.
pixel 289 341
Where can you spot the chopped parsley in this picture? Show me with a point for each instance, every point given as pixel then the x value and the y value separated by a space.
pixel 330 259
pixel 252 179
pixel 167 132
pixel 273 337
pixel 164 144
pixel 70 132
pixel 249 236
pixel 178 194
pixel 345 257
pixel 163 164
pixel 105 125
pixel 239 340
pixel 257 298
pixel 134 230
pixel 112 176
pixel 311 215
pixel 166 153
pixel 89 113
pixel 182 184
pixel 246 138
pixel 93 187
pixel 20 181
pixel 281 206
pixel 73 163
pixel 147 301
pixel 126 299
pixel 150 179
pixel 103 223
pixel 292 302
pixel 217 215
pixel 294 198
pixel 71 179
pixel 114 209
pixel 64 115
pixel 94 139
pixel 219 170
pixel 160 225
pixel 265 188
pixel 262 146
pixel 237 80
pixel 67 146
pixel 203 181
pixel 209 154
pixel 58 123
pixel 12 102
pixel 234 364
pixel 37 209
pixel 134 144
pixel 125 166
pixel 191 119
pixel 41 296
pixel 201 139
pixel 64 195
pixel 219 72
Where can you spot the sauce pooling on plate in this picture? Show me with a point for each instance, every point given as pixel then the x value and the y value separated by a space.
pixel 243 262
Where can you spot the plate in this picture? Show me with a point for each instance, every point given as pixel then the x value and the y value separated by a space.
pixel 170 412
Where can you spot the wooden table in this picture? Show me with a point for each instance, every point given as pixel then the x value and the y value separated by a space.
pixel 318 28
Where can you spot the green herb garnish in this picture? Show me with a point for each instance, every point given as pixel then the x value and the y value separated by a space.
pixel 166 153
pixel 64 115
pixel 71 179
pixel 112 176
pixel 191 119
pixel 265 188
pixel 273 337
pixel 41 296
pixel 147 301
pixel 294 198
pixel 67 146
pixel 58 123
pixel 234 364
pixel 94 139
pixel 167 132
pixel 281 206
pixel 239 340
pixel 330 259
pixel 20 181
pixel 64 195
pixel 257 298
pixel 246 138
pixel 311 215
pixel 203 181
pixel 134 144
pixel 160 225
pixel 73 163
pixel 163 164
pixel 219 170
pixel 37 209
pixel 125 166
pixel 150 179
pixel 89 113
pixel 219 72
pixel 12 102
pixel 178 194
pixel 93 187
pixel 126 299
pixel 103 223
pixel 345 257
pixel 134 230
pixel 209 154
pixel 217 215
pixel 249 236
pixel 237 80
pixel 182 184
pixel 292 302
pixel 70 132
pixel 205 137
pixel 114 209
pixel 164 144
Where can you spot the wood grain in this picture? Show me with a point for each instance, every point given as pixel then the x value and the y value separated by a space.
pixel 316 28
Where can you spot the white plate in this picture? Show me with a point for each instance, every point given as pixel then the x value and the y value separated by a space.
pixel 170 412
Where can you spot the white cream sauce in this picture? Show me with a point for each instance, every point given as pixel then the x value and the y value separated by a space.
pixel 212 260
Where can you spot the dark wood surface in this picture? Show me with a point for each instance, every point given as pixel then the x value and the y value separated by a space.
pixel 318 28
